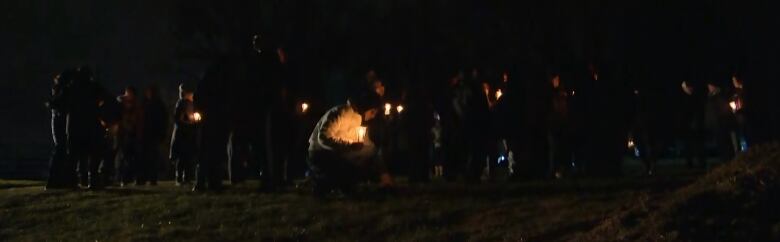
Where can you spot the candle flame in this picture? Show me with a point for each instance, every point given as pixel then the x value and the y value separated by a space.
pixel 361 134
pixel 304 107
pixel 196 117
pixel 499 93
pixel 388 107
pixel 733 105
pixel 399 108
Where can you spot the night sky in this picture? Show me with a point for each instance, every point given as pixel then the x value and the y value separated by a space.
pixel 649 44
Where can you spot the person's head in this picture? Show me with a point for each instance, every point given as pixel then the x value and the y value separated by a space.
pixel 736 81
pixel 282 55
pixel 486 88
pixel 262 43
pixel 366 104
pixel 687 88
pixel 594 71
pixel 130 92
pixel 151 92
pixel 457 78
pixel 84 73
pixel 371 75
pixel 555 79
pixel 712 88
pixel 64 78
pixel 379 87
pixel 185 92
pixel 505 77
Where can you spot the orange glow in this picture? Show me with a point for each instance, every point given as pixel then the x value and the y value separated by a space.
pixel 499 93
pixel 399 108
pixel 733 105
pixel 631 143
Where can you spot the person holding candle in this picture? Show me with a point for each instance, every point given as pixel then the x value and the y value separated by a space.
pixel 184 138
pixel 340 148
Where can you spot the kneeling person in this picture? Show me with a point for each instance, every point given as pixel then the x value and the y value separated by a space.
pixel 341 153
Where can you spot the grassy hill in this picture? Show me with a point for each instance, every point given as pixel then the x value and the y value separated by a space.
pixel 734 202
pixel 534 211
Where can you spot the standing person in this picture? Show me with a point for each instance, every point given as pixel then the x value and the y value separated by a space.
pixel 737 103
pixel 418 120
pixel 128 136
pixel 718 122
pixel 451 111
pixel 60 176
pixel 255 91
pixel 341 152
pixel 84 131
pixel 559 129
pixel 692 114
pixel 184 138
pixel 110 118
pixel 479 133
pixel 153 133
pixel 280 128
pixel 211 100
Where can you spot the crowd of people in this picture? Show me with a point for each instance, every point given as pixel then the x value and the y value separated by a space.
pixel 244 120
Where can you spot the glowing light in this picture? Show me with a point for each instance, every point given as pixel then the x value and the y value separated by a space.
pixel 388 107
pixel 733 105
pixel 499 93
pixel 361 134
pixel 196 117
pixel 631 144
pixel 399 108
pixel 304 107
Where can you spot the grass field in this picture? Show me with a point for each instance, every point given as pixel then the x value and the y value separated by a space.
pixel 532 211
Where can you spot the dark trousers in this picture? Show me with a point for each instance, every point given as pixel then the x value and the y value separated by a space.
pixel 62 172
pixel 147 169
pixel 214 155
pixel 128 162
pixel 560 152
pixel 184 165
pixel 329 172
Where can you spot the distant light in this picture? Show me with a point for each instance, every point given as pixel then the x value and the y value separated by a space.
pixel 304 107
pixel 399 108
pixel 499 93
pixel 388 107
pixel 733 105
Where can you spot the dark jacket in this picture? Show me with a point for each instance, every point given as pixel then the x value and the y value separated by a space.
pixel 184 138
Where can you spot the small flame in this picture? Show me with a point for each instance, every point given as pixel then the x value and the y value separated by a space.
pixel 361 134
pixel 733 105
pixel 304 107
pixel 631 143
pixel 499 93
pixel 196 117
pixel 399 108
pixel 388 107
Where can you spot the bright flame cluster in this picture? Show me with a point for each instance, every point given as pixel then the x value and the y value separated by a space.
pixel 389 108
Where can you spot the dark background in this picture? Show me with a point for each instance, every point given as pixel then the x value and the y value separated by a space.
pixel 652 45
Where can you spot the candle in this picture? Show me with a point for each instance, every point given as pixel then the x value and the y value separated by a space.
pixel 196 117
pixel 388 107
pixel 304 107
pixel 733 105
pixel 499 93
pixel 361 134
